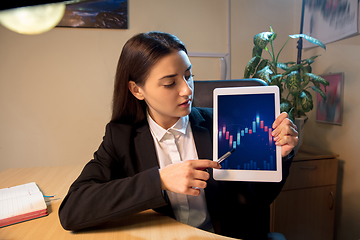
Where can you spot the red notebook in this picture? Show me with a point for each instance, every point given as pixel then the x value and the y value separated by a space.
pixel 21 203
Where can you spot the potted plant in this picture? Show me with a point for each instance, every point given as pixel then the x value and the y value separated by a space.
pixel 294 79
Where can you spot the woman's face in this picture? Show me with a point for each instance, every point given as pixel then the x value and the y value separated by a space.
pixel 168 90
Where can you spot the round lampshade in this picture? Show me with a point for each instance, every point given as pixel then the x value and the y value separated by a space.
pixel 33 19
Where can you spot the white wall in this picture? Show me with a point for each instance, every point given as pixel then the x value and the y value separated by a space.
pixel 56 88
pixel 342 56
pixel 249 18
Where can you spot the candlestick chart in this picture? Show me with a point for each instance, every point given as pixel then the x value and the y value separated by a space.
pixel 245 123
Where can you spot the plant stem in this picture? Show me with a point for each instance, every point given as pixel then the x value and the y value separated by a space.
pixel 277 57
pixel 287 97
pixel 273 57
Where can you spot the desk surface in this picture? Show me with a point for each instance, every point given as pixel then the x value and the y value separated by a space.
pixel 57 180
pixel 307 152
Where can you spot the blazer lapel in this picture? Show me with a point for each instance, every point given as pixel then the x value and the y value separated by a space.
pixel 147 158
pixel 202 132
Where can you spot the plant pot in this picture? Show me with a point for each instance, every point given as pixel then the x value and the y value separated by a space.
pixel 300 122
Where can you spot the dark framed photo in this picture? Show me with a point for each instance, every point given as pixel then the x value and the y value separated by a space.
pixel 110 14
pixel 330 111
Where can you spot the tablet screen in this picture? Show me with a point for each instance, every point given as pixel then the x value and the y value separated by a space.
pixel 244 121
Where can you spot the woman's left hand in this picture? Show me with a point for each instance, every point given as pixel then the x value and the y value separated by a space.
pixel 285 133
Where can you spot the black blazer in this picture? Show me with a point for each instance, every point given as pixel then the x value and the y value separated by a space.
pixel 123 179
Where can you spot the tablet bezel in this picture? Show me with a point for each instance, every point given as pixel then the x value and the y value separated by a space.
pixel 246 175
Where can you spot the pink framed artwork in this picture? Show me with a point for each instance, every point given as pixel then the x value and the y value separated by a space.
pixel 330 111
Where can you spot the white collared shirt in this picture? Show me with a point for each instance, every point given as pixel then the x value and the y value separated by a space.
pixel 174 145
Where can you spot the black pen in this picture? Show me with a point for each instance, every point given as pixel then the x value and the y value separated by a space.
pixel 225 156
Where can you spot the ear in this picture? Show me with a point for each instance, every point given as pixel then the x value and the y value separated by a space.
pixel 135 90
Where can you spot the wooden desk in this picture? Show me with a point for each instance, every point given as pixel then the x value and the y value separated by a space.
pixel 57 180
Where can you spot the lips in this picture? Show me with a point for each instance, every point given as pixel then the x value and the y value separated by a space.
pixel 186 103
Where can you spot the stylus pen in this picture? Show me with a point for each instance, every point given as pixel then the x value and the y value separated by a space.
pixel 225 156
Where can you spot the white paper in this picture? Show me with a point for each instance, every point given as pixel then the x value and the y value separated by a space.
pixel 20 200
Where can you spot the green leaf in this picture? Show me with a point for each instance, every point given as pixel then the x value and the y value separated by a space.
pixel 316 84
pixel 313 57
pixel 262 64
pixel 262 39
pixel 250 67
pixel 272 38
pixel 276 80
pixel 306 78
pixel 264 74
pixel 291 114
pixel 285 106
pixel 309 39
pixel 310 60
pixel 307 69
pixel 257 51
pixel 306 101
pixel 318 79
pixel 305 81
pixel 282 66
pixel 293 68
pixel 317 89
pixel 293 81
pixel 308 94
pixel 274 77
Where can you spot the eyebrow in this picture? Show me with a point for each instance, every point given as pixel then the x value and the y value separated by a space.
pixel 174 75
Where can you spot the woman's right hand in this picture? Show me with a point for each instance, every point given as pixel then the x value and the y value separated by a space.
pixel 186 177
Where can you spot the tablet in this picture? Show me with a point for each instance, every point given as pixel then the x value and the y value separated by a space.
pixel 243 118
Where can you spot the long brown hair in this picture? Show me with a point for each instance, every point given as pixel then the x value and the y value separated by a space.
pixel 138 56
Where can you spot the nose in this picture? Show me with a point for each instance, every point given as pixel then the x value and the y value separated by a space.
pixel 186 88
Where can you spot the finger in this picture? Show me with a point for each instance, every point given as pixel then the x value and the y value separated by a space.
pixel 286 131
pixel 283 127
pixel 279 119
pixel 203 164
pixel 287 140
pixel 198 184
pixel 193 192
pixel 283 138
pixel 201 175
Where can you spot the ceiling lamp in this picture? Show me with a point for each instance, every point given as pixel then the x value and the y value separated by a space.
pixel 34 17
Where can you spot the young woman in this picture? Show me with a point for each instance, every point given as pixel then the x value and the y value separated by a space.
pixel 156 148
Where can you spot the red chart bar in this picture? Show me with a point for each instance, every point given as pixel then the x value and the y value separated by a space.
pixel 270 136
pixel 231 141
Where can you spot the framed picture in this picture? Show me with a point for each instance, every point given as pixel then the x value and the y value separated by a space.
pixel 330 21
pixel 330 111
pixel 110 14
